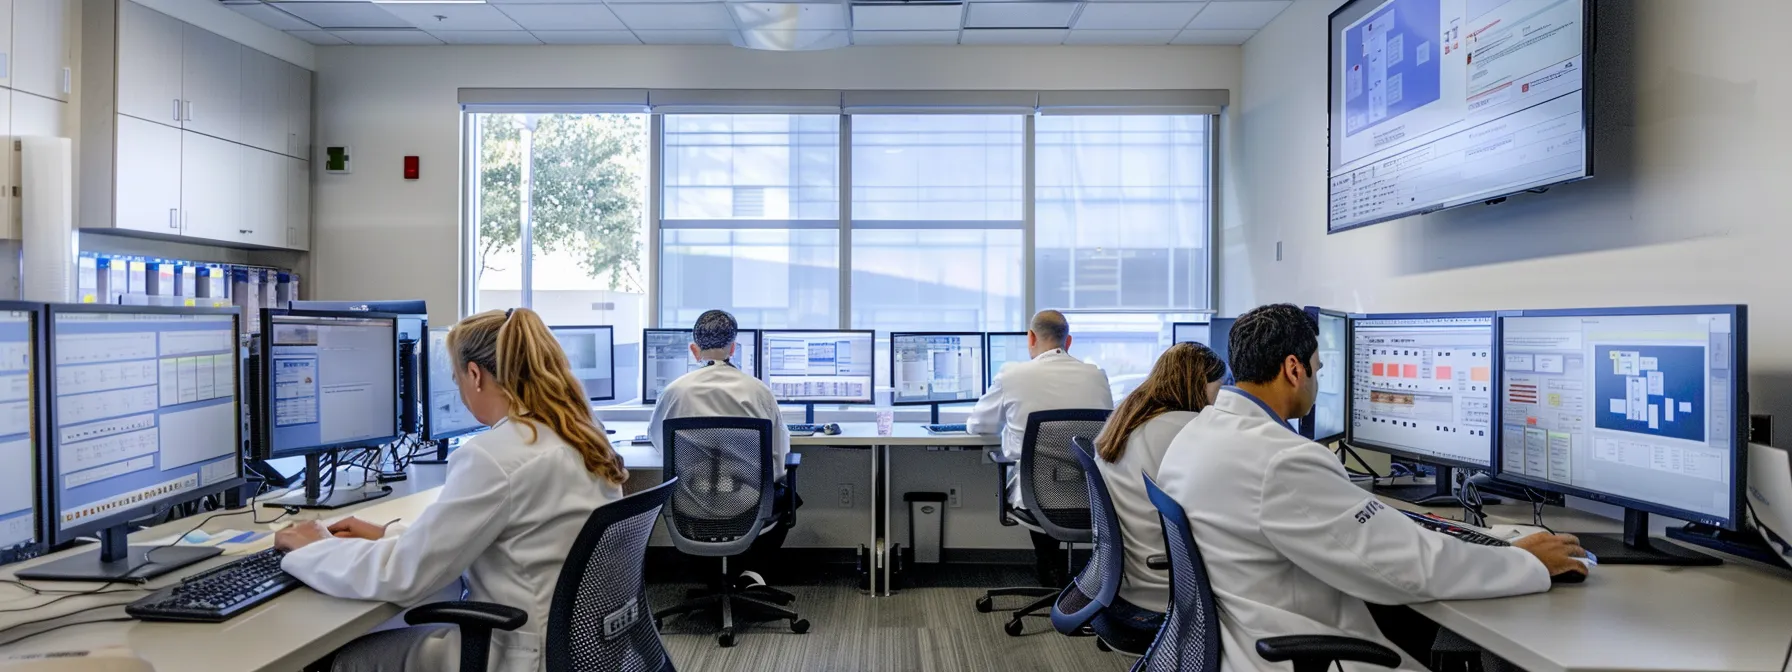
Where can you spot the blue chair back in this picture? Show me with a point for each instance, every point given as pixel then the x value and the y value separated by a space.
pixel 1190 638
pixel 600 619
pixel 1052 486
pixel 724 472
pixel 1094 588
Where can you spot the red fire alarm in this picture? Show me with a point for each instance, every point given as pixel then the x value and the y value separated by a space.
pixel 410 167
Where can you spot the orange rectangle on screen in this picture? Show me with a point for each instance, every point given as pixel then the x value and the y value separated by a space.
pixel 1377 369
pixel 1480 374
pixel 1443 373
pixel 1410 371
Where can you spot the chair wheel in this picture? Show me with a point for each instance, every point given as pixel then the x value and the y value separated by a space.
pixel 985 605
pixel 1103 646
pixel 659 623
pixel 799 626
pixel 1013 628
pixel 725 640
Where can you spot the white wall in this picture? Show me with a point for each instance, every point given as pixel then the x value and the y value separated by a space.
pixel 376 235
pixel 1687 205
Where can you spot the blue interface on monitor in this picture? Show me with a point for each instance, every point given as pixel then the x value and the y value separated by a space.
pixel 17 494
pixel 819 366
pixel 334 381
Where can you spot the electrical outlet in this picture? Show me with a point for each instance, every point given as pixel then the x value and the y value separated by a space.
pixel 845 495
pixel 952 498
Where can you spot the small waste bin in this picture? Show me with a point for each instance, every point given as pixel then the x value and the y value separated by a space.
pixel 926 525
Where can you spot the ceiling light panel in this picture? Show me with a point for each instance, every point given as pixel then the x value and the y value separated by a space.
pixel 907 17
pixel 1020 15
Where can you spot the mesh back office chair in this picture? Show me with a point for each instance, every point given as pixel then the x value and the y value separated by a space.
pixel 1190 638
pixel 722 504
pixel 598 620
pixel 1095 587
pixel 1054 495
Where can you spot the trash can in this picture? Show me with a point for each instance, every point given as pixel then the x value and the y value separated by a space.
pixel 926 525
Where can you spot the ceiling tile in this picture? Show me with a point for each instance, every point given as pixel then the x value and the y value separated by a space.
pixel 322 38
pixel 545 2
pixel 686 36
pixel 586 37
pixel 387 37
pixel 907 17
pixel 451 16
pixel 1146 37
pixel 267 15
pixel 705 16
pixel 1020 15
pixel 879 38
pixel 1013 36
pixel 1213 37
pixel 658 2
pixel 803 16
pixel 1239 15
pixel 563 17
pixel 485 37
pixel 343 14
pixel 1137 15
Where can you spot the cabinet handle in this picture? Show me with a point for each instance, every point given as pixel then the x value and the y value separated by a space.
pixel 177 109
pixel 189 110
pixel 174 218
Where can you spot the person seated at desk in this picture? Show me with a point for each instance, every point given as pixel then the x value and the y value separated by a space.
pixel 720 390
pixel 515 498
pixel 1051 381
pixel 1184 380
pixel 1291 546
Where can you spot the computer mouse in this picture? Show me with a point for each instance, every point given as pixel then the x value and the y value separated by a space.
pixel 1572 577
pixel 831 429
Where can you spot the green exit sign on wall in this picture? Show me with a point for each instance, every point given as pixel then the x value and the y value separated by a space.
pixel 336 160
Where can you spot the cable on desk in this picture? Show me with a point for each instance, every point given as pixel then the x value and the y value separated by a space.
pixel 1345 452
pixel 10 628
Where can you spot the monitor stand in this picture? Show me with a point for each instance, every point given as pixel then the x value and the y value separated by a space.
pixel 312 496
pixel 808 414
pixel 1635 547
pixel 117 561
pixel 933 417
pixel 1440 493
pixel 441 454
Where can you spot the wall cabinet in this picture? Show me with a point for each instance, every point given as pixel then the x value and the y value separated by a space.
pixel 41 49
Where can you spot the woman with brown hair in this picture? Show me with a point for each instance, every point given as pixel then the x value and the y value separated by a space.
pixel 1184 380
pixel 515 498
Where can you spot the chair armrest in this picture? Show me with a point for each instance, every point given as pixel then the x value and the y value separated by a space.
pixel 1158 562
pixel 1003 464
pixel 468 614
pixel 1323 649
pixel 792 460
pixel 1001 460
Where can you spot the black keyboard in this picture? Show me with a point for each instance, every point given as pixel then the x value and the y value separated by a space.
pixel 1450 528
pixel 946 429
pixel 218 594
pixel 803 429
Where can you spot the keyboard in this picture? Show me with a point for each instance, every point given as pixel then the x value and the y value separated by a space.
pixel 946 429
pixel 803 429
pixel 1453 529
pixel 218 594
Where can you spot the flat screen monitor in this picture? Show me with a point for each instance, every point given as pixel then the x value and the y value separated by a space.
pixel 21 416
pixel 1191 332
pixel 936 368
pixel 1422 387
pixel 329 381
pixel 413 347
pixel 1645 408
pixel 814 367
pixel 1220 330
pixel 666 355
pixel 1002 349
pixel 445 416
pixel 1440 104
pixel 1325 423
pixel 591 350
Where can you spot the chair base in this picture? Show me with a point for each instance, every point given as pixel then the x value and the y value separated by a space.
pixel 1039 607
pixel 752 604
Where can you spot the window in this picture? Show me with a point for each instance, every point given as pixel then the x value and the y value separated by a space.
pixel 1123 345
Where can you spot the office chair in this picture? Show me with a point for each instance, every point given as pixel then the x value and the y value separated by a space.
pixel 598 620
pixel 721 506
pixel 1190 638
pixel 1081 603
pixel 1054 495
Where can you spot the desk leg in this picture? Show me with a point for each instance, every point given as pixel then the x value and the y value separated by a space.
pixel 874 555
pixel 883 497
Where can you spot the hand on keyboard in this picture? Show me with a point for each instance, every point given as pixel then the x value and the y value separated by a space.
pixel 218 594
pixel 355 528
pixel 300 535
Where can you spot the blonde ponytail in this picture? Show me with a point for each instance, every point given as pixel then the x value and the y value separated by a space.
pixel 525 360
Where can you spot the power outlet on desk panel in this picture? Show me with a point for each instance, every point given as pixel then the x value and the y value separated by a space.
pixel 952 498
pixel 845 495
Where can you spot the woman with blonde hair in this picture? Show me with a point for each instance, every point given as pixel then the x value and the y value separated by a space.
pixel 1184 380
pixel 515 498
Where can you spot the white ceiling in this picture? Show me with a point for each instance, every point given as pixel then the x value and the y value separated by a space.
pixel 875 23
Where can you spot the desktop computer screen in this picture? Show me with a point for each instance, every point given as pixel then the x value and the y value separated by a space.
pixel 413 344
pixel 1422 387
pixel 445 416
pixel 1325 422
pixel 592 353
pixel 1642 407
pixel 1191 332
pixel 936 368
pixel 832 367
pixel 330 380
pixel 20 339
pixel 1004 348
pixel 666 355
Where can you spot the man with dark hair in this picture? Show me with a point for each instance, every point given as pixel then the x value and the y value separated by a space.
pixel 1292 547
pixel 1052 381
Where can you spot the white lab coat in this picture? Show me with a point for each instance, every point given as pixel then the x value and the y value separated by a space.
pixel 1053 381
pixel 506 517
pixel 1141 530
pixel 1292 547
pixel 720 390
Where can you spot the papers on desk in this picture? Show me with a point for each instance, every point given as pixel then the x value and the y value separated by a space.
pixel 203 538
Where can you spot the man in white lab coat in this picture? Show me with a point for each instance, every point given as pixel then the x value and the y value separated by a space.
pixel 1292 547
pixel 1052 381
pixel 718 389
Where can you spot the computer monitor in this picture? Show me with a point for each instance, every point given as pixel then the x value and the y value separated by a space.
pixel 666 355
pixel 818 367
pixel 1191 332
pixel 1422 389
pixel 1004 348
pixel 413 348
pixel 591 350
pixel 936 368
pixel 329 381
pixel 1325 423
pixel 1645 408
pixel 1220 330
pixel 145 415
pixel 445 416
pixel 21 416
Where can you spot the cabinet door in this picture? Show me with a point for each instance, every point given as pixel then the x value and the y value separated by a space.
pixel 40 47
pixel 298 105
pixel 264 105
pixel 149 64
pixel 147 191
pixel 264 199
pixel 298 204
pixel 6 43
pixel 212 84
pixel 210 182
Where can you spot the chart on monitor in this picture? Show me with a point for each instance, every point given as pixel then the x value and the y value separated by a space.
pixel 666 356
pixel 936 368
pixel 447 416
pixel 1423 387
pixel 819 366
